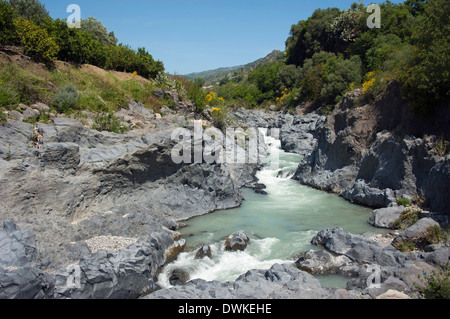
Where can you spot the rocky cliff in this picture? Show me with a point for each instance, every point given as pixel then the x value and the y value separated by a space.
pixel 366 153
pixel 86 200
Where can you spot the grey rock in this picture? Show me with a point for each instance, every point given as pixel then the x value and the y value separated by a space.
pixel 363 194
pixel 204 251
pixel 279 282
pixel 30 114
pixel 236 241
pixel 126 274
pixel 322 262
pixel 25 283
pixel 16 115
pixel 358 248
pixel 61 156
pixel 179 277
pixel 416 231
pixel 439 257
pixel 17 248
pixel 41 107
pixel 385 217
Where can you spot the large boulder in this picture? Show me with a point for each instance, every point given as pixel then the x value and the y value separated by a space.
pixel 322 262
pixel 385 217
pixel 358 248
pixel 17 248
pixel 20 276
pixel 416 231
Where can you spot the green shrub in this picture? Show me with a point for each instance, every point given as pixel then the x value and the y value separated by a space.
pixel 407 218
pixel 8 97
pixel 65 98
pixel 404 202
pixel 36 41
pixel 435 285
pixel 7 28
pixel 435 234
pixel 109 122
pixel 441 147
pixel 405 246
pixel 3 118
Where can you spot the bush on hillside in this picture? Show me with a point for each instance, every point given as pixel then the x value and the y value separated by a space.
pixel 65 98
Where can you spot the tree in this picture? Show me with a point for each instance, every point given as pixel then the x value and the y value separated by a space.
pixel 428 81
pixel 265 77
pixel 7 27
pixel 312 36
pixel 94 27
pixel 36 41
pixel 31 10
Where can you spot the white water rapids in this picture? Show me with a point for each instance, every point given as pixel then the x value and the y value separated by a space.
pixel 280 225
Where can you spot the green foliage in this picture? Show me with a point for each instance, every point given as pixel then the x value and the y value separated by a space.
pixel 98 31
pixel 65 98
pixel 7 27
pixel 341 74
pixel 36 41
pixel 428 81
pixel 245 94
pixel 435 285
pixel 403 202
pixel 3 117
pixel 407 218
pixel 124 58
pixel 435 235
pixel 405 246
pixel 266 80
pixel 198 97
pixel 441 147
pixel 32 10
pixel 109 122
pixel 312 36
pixel 19 86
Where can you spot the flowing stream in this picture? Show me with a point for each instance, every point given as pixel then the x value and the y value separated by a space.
pixel 280 225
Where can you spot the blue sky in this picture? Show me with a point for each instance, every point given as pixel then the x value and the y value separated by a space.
pixel 198 35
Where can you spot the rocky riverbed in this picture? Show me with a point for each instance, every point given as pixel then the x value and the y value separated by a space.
pixel 90 214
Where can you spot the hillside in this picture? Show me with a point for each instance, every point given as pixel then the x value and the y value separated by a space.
pixel 213 76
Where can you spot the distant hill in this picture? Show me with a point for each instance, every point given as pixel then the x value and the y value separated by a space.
pixel 212 76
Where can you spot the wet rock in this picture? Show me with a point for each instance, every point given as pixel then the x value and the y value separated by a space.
pixel 283 281
pixel 179 277
pixel 236 241
pixel 204 251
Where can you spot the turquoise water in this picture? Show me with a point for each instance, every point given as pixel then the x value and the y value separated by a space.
pixel 280 225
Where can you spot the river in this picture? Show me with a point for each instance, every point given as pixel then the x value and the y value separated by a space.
pixel 280 225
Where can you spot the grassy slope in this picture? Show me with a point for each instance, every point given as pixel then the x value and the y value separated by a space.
pixel 24 81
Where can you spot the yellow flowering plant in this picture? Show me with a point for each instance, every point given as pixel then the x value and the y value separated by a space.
pixel 284 96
